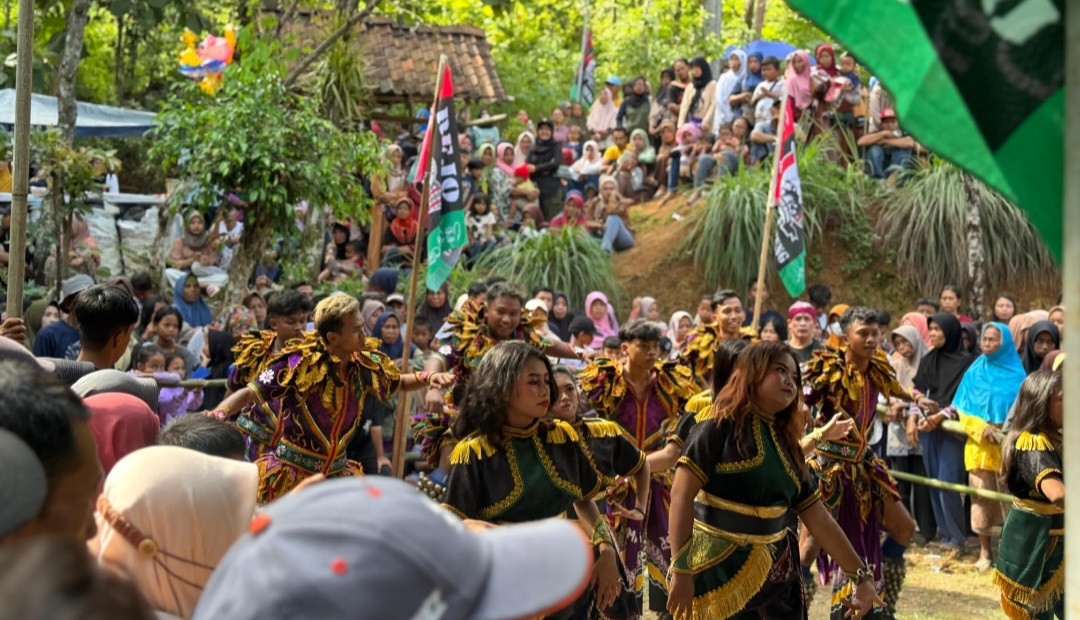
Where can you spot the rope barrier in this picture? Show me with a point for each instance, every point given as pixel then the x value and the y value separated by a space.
pixel 202 383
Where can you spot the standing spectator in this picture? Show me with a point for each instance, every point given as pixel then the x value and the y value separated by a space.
pixel 400 241
pixel 164 332
pixel 229 232
pixel 679 327
pixel 769 90
pixel 484 131
pixel 766 311
pixel 634 111
pixel 699 99
pixel 195 252
pixel 388 189
pixel 797 82
pixel 522 148
pixel 503 190
pixel 188 300
pixel 106 316
pixel 602 314
pixel 577 117
pixel 435 309
pixel 677 89
pixel 725 89
pixel 659 111
pixel 950 302
pixel 60 337
pixel 480 227
pixel 82 251
pixel 743 93
pixel 1004 308
pixel 1042 338
pixel 121 424
pixel 560 131
pixel 889 149
pixel 543 160
pixel 821 298
pixel 801 320
pixel 614 87
pixel 602 118
pixel 560 318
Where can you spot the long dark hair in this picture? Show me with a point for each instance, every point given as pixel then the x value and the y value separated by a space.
pixel 491 387
pixel 724 362
pixel 735 401
pixel 1032 412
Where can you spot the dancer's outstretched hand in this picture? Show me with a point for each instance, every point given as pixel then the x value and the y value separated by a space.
pixel 680 600
pixel 862 600
pixel 606 577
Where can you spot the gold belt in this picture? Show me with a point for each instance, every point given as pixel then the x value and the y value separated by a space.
pixel 1037 507
pixel 761 512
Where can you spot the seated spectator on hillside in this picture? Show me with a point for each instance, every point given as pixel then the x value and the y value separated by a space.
pixel 572 214
pixel 188 300
pixel 620 142
pixel 480 227
pixel 384 281
pixel 699 100
pixel 589 167
pixel 602 116
pixel 400 241
pixel 878 102
pixel 888 150
pixel 485 131
pixel 51 420
pixel 142 285
pixel 195 251
pixel 610 218
pixel 763 138
pixel 82 252
pixel 204 434
pixel 544 160
pixel 106 316
pixel 62 337
pixel 340 236
pixel 388 189
pixel 630 178
pixel 229 232
pixel 634 110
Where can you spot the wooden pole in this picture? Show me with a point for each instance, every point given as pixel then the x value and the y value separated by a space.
pixel 374 249
pixel 398 455
pixel 20 169
pixel 770 204
pixel 1070 260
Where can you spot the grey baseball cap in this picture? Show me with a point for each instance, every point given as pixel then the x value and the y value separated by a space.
pixel 71 287
pixel 375 547
pixel 23 485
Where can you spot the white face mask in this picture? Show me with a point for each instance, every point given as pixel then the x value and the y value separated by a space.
pixel 834 328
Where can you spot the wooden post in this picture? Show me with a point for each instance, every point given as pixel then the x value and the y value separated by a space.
pixel 398 455
pixel 374 248
pixel 1070 261
pixel 770 204
pixel 20 168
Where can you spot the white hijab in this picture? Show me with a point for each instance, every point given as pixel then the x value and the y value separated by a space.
pixel 191 505
pixel 519 155
pixel 725 86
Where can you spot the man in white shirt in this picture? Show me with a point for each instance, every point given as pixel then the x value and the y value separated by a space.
pixel 769 90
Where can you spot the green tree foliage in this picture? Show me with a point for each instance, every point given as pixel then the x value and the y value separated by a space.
pixel 256 138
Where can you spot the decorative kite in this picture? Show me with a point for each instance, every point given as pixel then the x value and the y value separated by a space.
pixel 205 62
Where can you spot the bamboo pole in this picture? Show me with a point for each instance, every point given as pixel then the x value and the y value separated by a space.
pixel 770 204
pixel 581 62
pixel 1071 286
pixel 397 460
pixel 20 168
pixel 952 486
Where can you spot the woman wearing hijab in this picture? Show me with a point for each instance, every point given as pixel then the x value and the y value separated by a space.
pixel 560 316
pixel 699 100
pixel 938 378
pixel 725 88
pixel 634 110
pixel 602 116
pixel 918 321
pixel 121 424
pixel 220 346
pixel 797 82
pixel 503 185
pixel 743 93
pixel 522 147
pixel 166 518
pixel 370 311
pixel 196 251
pixel 602 314
pixel 436 308
pixel 832 326
pixel 904 455
pixel 1042 338
pixel 543 161
pixel 983 400
pixel 573 213
pixel 188 299
pixel 1021 323
pixel 970 336
pixel 339 238
pixel 679 327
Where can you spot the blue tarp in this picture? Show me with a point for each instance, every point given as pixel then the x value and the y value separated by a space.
pixel 102 121
pixel 768 48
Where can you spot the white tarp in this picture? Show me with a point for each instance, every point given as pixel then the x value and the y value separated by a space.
pixel 102 121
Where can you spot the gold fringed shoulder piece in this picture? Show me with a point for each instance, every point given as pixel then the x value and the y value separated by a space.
pixel 601 428
pixel 702 401
pixel 1034 441
pixel 561 432
pixel 465 449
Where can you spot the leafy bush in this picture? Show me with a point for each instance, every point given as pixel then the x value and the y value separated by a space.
pixel 570 261
pixel 926 223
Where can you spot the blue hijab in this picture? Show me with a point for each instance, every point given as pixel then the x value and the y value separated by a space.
pixel 196 313
pixel 751 80
pixel 992 382
pixel 393 350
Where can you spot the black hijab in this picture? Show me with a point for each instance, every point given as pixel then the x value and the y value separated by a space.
pixel 544 151
pixel 699 82
pixel 434 317
pixel 561 327
pixel 339 248
pixel 973 339
pixel 943 367
pixel 1032 362
pixel 634 100
pixel 221 358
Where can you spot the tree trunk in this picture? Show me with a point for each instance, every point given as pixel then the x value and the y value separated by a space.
pixel 68 68
pixel 976 256
pixel 759 18
pixel 118 60
pixel 257 227
pixel 748 14
pixel 311 242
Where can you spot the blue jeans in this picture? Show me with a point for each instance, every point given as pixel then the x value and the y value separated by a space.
pixel 880 159
pixel 727 162
pixel 943 456
pixel 673 170
pixel 617 236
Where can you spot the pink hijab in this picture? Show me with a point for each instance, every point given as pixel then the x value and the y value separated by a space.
pixel 605 327
pixel 918 321
pixel 798 85
pixel 499 150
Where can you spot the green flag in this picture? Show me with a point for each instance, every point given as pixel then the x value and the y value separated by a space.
pixel 979 82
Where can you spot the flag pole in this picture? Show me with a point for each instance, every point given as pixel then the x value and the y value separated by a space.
pixel 1070 259
pixel 770 204
pixel 20 160
pixel 398 456
pixel 582 63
